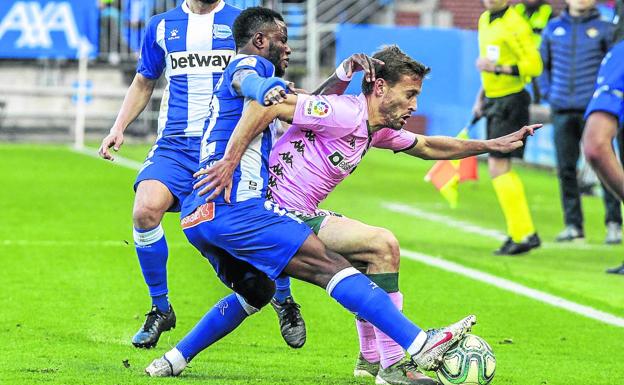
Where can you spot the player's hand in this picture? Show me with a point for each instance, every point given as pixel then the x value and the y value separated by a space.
pixel 484 64
pixel 217 177
pixel 513 141
pixel 296 91
pixel 275 95
pixel 115 139
pixel 361 62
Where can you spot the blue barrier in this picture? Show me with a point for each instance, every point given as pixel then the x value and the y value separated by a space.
pixel 450 90
pixel 47 28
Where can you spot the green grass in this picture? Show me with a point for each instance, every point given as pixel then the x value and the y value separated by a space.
pixel 73 292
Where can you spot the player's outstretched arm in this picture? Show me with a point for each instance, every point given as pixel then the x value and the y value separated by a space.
pixel 137 97
pixel 254 120
pixel 443 147
pixel 338 82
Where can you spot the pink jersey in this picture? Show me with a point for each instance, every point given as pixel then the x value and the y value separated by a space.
pixel 328 138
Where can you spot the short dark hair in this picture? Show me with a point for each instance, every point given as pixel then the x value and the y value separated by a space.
pixel 396 64
pixel 252 20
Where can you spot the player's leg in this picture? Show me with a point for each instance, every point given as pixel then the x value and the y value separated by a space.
pixel 357 293
pixel 504 116
pixel 292 325
pixel 252 291
pixel 567 133
pixel 162 184
pixel 151 201
pixel 378 249
pixel 276 242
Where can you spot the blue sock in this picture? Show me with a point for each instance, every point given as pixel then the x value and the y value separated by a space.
pixel 224 317
pixel 360 295
pixel 282 289
pixel 151 248
pixel 161 302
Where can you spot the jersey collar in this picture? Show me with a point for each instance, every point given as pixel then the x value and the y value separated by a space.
pixel 186 9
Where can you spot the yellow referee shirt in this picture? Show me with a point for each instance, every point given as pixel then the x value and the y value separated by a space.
pixel 508 40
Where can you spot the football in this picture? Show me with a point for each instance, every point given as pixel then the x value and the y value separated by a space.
pixel 469 362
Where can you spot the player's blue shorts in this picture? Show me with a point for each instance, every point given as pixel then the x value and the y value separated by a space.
pixel 254 231
pixel 172 161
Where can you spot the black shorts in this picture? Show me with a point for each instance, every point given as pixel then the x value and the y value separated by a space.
pixel 505 115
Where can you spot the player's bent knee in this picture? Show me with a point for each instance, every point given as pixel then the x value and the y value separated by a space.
pixel 387 249
pixel 145 217
pixel 257 291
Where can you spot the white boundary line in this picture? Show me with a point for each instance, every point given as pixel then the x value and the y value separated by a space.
pixel 474 274
pixel 471 228
pixel 119 160
pixel 516 288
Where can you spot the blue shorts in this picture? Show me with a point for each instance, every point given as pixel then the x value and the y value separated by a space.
pixel 254 231
pixel 172 161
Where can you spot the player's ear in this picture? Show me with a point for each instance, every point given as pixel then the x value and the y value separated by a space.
pixel 258 40
pixel 379 88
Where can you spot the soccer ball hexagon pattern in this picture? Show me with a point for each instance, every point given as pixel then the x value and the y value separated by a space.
pixel 469 362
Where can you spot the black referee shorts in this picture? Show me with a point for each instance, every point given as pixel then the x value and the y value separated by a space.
pixel 505 115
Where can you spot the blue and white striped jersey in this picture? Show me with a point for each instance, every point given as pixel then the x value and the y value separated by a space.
pixel 193 51
pixel 251 176
pixel 609 94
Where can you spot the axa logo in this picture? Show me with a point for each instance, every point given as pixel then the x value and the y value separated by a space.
pixel 36 21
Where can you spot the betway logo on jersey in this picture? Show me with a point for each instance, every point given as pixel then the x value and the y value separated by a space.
pixel 200 62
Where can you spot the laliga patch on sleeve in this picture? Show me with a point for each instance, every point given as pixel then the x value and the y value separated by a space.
pixel 248 61
pixel 316 108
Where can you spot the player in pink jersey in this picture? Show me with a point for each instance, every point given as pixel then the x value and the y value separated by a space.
pixel 328 138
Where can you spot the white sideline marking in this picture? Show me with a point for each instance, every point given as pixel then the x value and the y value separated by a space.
pixel 515 288
pixel 119 160
pixel 471 228
pixel 448 221
pixel 477 275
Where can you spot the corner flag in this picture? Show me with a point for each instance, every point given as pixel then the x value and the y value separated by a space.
pixel 447 174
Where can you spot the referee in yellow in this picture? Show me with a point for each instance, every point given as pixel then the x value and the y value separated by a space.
pixel 508 59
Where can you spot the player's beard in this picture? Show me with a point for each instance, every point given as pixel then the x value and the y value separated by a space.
pixel 392 116
pixel 275 57
pixel 208 1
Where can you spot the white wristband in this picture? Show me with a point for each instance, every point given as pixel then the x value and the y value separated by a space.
pixel 341 73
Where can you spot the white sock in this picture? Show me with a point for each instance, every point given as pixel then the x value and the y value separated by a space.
pixel 418 343
pixel 177 361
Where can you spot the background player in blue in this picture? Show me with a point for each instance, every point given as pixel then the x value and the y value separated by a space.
pixel 250 241
pixel 605 115
pixel 192 44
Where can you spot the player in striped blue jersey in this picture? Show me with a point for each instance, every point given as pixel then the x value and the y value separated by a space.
pixel 191 44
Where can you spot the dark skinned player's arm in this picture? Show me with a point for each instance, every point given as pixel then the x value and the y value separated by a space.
pixel 254 120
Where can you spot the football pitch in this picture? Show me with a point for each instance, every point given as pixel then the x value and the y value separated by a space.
pixel 73 294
